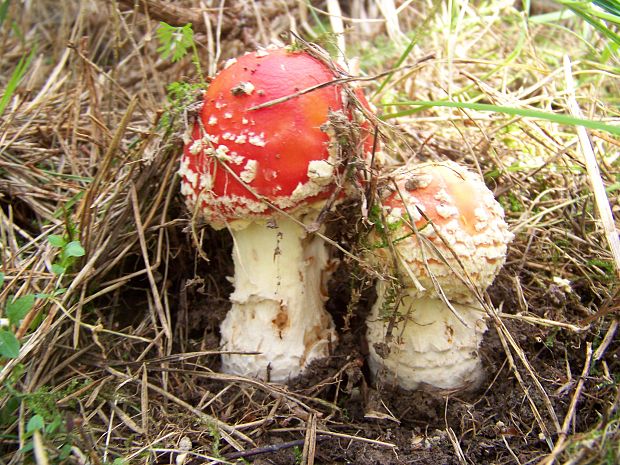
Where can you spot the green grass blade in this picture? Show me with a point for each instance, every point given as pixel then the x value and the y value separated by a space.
pixel 4 9
pixel 412 43
pixel 599 26
pixel 316 18
pixel 610 6
pixel 552 17
pixel 597 14
pixel 16 77
pixel 538 114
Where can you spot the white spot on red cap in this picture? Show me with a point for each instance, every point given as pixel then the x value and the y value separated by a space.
pixel 244 87
pixel 249 171
pixel 446 210
pixel 186 189
pixel 209 139
pixel 196 147
pixel 230 62
pixel 321 172
pixel 443 196
pixel 221 153
pixel 394 215
pixel 257 139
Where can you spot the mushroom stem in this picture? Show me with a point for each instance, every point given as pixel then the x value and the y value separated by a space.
pixel 429 344
pixel 278 302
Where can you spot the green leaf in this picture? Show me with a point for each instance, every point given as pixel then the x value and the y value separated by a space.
pixel 56 293
pixel 16 77
pixel 56 240
pixel 58 269
pixel 35 423
pixel 8 412
pixel 65 451
pixel 1 279
pixel 74 249
pixel 175 41
pixel 18 308
pixel 9 345
pixel 52 427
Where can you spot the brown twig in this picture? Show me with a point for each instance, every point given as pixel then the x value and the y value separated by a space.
pixel 170 13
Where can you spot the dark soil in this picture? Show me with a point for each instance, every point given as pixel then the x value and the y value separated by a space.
pixel 495 423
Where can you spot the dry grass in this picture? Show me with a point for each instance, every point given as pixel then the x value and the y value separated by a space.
pixel 125 359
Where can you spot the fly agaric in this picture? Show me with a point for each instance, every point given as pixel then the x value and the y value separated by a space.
pixel 263 161
pixel 445 234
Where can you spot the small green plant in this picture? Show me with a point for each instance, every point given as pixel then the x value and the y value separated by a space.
pixel 15 311
pixel 214 431
pixel 550 339
pixel 181 96
pixel 390 299
pixel 176 42
pixel 17 308
pixel 298 454
pixel 385 228
pixel 43 417
pixel 605 268
pixel 9 344
pixel 381 226
pixel 69 252
pixel 511 202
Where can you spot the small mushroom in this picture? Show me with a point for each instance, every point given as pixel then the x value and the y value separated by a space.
pixel 441 234
pixel 262 162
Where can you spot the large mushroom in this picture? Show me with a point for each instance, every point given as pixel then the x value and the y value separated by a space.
pixel 441 236
pixel 263 161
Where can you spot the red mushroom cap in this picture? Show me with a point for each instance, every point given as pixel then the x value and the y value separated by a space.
pixel 284 153
pixel 467 222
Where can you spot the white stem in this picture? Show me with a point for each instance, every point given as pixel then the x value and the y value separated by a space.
pixel 429 345
pixel 277 306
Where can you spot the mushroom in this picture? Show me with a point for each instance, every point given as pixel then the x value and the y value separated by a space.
pixel 442 235
pixel 263 161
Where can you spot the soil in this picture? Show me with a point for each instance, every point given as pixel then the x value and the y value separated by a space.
pixel 493 424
